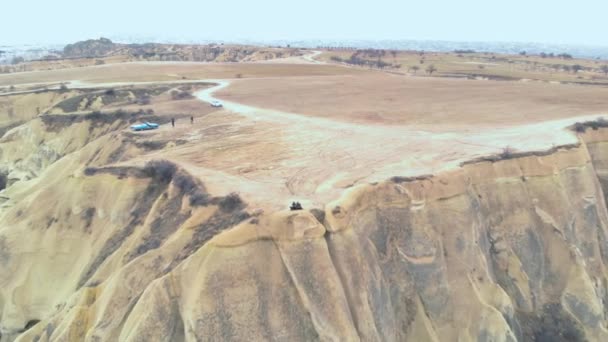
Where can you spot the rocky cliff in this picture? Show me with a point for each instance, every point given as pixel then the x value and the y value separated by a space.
pixel 96 246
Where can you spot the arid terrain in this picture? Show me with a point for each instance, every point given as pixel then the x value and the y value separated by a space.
pixel 463 203
pixel 95 52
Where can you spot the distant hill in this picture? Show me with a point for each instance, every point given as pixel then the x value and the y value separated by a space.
pixel 90 48
pixel 103 47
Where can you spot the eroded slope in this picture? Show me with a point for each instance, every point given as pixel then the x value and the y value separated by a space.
pixel 97 242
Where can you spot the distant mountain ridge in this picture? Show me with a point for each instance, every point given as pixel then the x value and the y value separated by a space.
pixel 104 47
pixel 506 47
pixel 90 48
pixel 207 50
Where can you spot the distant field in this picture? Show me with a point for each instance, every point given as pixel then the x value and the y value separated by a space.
pixel 103 51
pixel 167 71
pixel 396 99
pixel 484 65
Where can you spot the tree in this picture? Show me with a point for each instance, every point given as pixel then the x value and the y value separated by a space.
pixel 17 60
pixel 144 100
pixel 431 69
pixel 604 69
pixel 576 68
pixel 414 68
pixel 180 95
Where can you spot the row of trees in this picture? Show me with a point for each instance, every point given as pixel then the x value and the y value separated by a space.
pixel 577 67
pixel 430 69
pixel 360 58
pixel 551 55
pixel 354 59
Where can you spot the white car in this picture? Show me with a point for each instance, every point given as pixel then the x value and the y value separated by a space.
pixel 216 103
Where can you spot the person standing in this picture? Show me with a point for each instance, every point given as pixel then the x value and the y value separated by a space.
pixel 172 122
pixel 191 119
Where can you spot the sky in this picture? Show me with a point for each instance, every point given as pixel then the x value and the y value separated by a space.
pixel 543 21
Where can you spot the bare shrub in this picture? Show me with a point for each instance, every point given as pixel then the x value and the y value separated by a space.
pixel 180 95
pixel 144 100
pixel 190 186
pixel 507 153
pixel 231 202
pixel 184 181
pixel 90 171
pixel 161 170
pixel 579 127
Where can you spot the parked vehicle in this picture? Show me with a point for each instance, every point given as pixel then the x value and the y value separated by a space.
pixel 144 126
pixel 216 103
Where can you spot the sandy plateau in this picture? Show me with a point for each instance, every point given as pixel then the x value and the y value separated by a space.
pixel 436 209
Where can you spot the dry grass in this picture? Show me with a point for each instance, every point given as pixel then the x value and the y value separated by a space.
pixel 490 65
pixel 384 98
pixel 172 71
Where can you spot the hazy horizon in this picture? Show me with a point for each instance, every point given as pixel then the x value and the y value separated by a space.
pixel 65 21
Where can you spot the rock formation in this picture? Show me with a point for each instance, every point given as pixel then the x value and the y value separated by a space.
pixel 508 249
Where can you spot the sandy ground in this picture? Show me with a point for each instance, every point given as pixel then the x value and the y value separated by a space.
pixel 274 157
pixel 490 65
pixel 317 130
pixel 167 71
pixel 382 98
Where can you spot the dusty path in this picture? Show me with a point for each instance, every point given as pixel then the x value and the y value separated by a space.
pixel 311 57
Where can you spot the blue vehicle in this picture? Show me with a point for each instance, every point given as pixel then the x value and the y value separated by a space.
pixel 144 126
